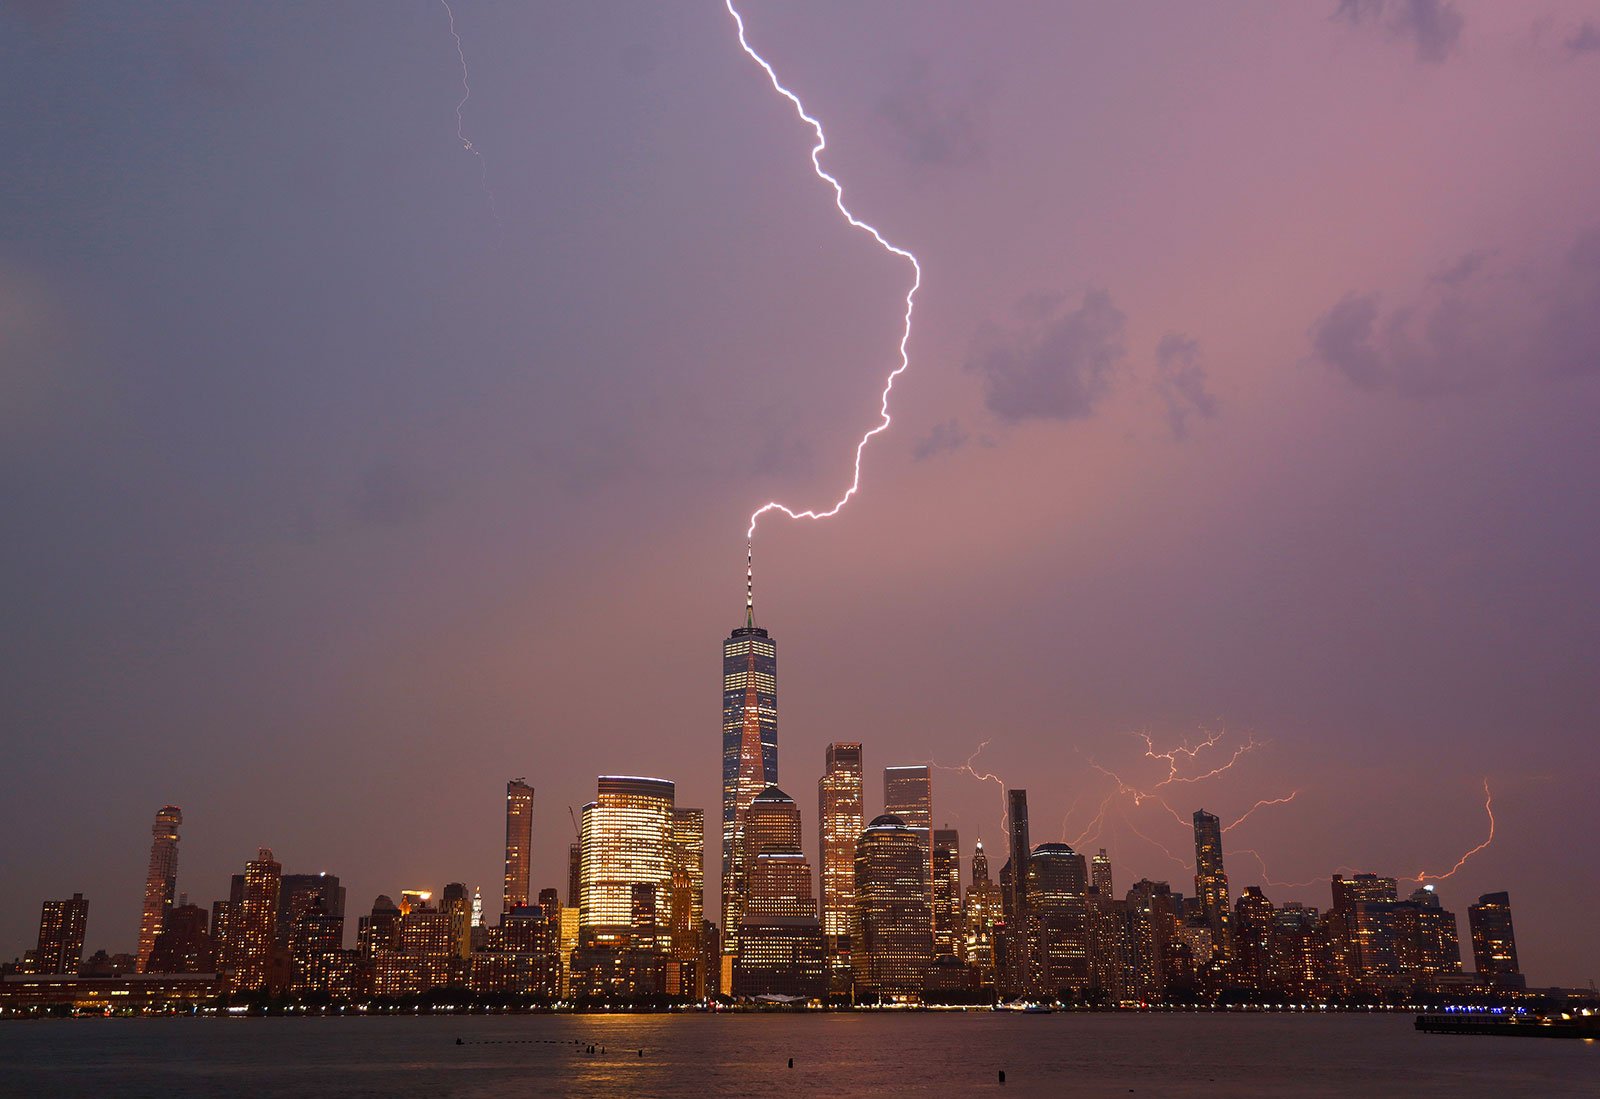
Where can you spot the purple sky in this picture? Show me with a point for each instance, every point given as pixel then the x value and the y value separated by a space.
pixel 1254 387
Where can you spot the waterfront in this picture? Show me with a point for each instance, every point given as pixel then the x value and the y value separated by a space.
pixel 843 1054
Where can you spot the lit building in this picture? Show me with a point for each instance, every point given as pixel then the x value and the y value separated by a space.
pixel 1427 944
pixel 1100 874
pixel 839 822
pixel 947 929
pixel 686 971
pixel 1210 880
pixel 627 841
pixel 183 945
pixel 892 936
pixel 317 958
pixel 1013 881
pixel 299 893
pixel 908 794
pixel 1363 918
pixel 1254 960
pixel 1057 920
pixel 253 925
pixel 425 952
pixel 781 950
pixel 566 943
pixel 749 749
pixel 780 939
pixel 1151 921
pixel 519 844
pixel 377 931
pixel 689 856
pixel 1494 940
pixel 161 878
pixel 455 903
pixel 523 960
pixel 983 913
pixel 61 929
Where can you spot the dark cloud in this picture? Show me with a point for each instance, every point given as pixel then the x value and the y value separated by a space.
pixel 1053 369
pixel 943 437
pixel 1464 268
pixel 932 126
pixel 1433 27
pixel 1181 381
pixel 1470 326
pixel 1586 39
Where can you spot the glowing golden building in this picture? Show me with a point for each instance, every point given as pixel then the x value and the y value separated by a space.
pixel 161 879
pixel 253 924
pixel 892 935
pixel 839 819
pixel 519 844
pixel 626 838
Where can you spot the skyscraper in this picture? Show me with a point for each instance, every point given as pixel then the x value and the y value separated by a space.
pixel 1100 874
pixel 1494 940
pixel 893 933
pixel 983 912
pixel 61 929
pixel 1014 879
pixel 947 893
pixel 908 794
pixel 161 880
pixel 1210 880
pixel 1057 920
pixel 519 844
pixel 749 745
pixel 627 842
pixel 253 925
pixel 780 941
pixel 689 855
pixel 839 822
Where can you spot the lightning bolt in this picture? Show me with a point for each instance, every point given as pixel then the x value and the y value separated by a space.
pixel 967 768
pixel 466 94
pixel 884 243
pixel 1262 804
pixel 1488 807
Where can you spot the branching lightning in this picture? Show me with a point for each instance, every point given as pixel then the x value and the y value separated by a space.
pixel 967 768
pixel 916 282
pixel 466 94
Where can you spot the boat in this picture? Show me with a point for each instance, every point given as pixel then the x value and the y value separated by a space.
pixel 1512 1024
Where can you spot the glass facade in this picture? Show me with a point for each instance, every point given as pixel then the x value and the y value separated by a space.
pixel 626 842
pixel 1210 880
pixel 519 844
pixel 893 932
pixel 749 747
pixel 161 879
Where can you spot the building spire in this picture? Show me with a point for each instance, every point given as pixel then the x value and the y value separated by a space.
pixel 749 582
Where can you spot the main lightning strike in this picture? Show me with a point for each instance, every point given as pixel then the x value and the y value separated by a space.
pixel 1488 807
pixel 466 94
pixel 982 776
pixel 893 249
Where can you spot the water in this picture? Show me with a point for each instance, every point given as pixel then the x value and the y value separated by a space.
pixel 878 1054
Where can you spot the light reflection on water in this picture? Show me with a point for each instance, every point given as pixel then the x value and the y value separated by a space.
pixel 1173 1056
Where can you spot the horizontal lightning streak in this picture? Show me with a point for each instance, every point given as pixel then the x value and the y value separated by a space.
pixel 916 282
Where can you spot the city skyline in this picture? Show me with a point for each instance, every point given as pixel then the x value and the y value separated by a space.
pixel 1253 387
